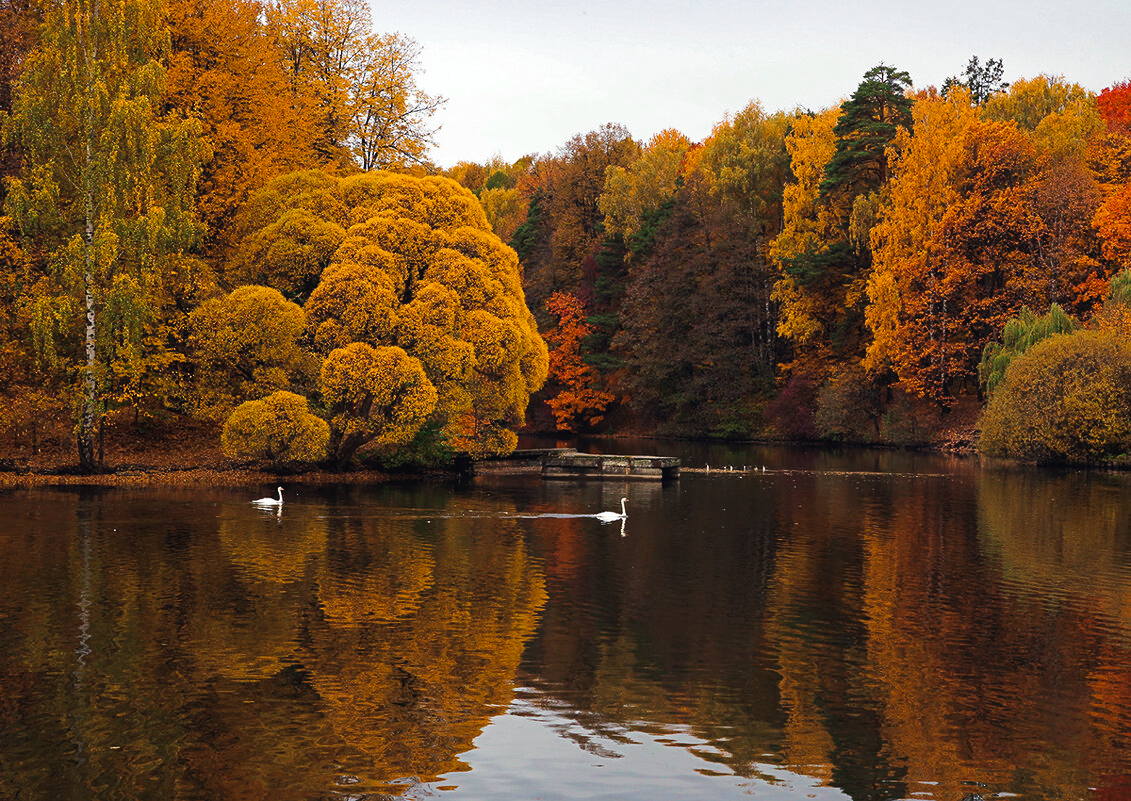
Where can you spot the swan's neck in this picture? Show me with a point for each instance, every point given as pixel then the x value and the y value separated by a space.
pixel 623 511
pixel 280 495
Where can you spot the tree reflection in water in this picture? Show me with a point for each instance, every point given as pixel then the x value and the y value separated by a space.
pixel 256 655
pixel 858 625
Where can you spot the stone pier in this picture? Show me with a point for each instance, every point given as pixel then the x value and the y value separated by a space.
pixel 567 463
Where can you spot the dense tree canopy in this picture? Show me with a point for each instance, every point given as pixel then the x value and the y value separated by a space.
pixel 564 229
pixel 815 288
pixel 278 429
pixel 1114 103
pixel 980 219
pixel 415 267
pixel 19 29
pixel 218 203
pixel 224 71
pixel 107 191
pixel 375 395
pixel 696 335
pixel 634 192
pixel 245 346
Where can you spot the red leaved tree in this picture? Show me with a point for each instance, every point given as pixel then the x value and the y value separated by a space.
pixel 581 399
pixel 1114 104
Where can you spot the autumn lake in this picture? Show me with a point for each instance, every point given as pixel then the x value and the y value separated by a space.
pixel 841 624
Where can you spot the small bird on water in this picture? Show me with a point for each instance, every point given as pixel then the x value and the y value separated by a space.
pixel 608 517
pixel 270 501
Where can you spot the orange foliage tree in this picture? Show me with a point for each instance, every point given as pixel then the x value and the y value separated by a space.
pixel 580 400
pixel 224 70
pixel 981 218
pixel 983 239
pixel 369 109
pixel 1113 218
pixel 1113 222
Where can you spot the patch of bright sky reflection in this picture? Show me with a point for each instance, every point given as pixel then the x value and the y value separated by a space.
pixel 536 752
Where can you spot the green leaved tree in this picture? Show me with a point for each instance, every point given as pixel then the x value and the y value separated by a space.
pixel 107 193
pixel 867 125
pixel 1020 334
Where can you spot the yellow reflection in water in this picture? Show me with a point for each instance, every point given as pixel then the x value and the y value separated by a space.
pixel 379 575
pixel 234 654
pixel 272 546
pixel 421 633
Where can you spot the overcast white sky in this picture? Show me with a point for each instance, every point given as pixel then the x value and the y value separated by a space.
pixel 523 76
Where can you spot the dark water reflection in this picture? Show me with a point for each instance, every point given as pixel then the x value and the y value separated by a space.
pixel 864 624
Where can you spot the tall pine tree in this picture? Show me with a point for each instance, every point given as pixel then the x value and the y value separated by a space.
pixel 867 124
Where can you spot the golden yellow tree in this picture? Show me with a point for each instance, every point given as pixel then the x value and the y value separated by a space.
pixel 245 346
pixel 1031 101
pixel 389 112
pixel 809 229
pixel 417 268
pixel 906 255
pixel 505 209
pixel 745 161
pixel 378 397
pixel 279 429
pixel 644 185
pixel 289 254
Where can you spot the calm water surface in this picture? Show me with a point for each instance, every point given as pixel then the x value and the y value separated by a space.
pixel 844 624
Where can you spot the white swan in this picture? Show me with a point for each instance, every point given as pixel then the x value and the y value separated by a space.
pixel 608 517
pixel 270 501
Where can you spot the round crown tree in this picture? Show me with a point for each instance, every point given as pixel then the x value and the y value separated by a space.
pixel 418 269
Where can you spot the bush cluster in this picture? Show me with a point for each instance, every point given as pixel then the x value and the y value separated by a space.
pixel 1067 399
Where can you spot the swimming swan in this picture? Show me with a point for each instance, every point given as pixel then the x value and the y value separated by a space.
pixel 608 517
pixel 270 501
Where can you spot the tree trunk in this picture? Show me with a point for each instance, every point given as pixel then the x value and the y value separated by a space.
pixel 86 458
pixel 88 409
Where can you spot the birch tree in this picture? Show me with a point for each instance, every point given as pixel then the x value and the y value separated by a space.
pixel 108 186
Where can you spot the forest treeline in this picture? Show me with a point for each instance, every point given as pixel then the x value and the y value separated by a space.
pixel 222 209
pixel 851 274
pixel 226 210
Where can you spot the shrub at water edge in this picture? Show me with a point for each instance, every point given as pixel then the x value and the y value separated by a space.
pixel 278 429
pixel 1067 399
